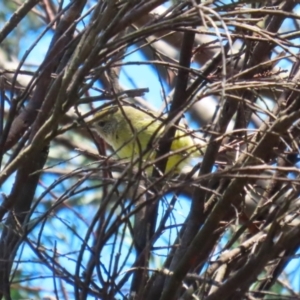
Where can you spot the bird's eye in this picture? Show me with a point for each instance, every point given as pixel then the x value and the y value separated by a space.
pixel 101 123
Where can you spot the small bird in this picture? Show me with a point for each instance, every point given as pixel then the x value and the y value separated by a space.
pixel 133 133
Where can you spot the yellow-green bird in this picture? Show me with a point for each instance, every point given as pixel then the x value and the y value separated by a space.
pixel 132 132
